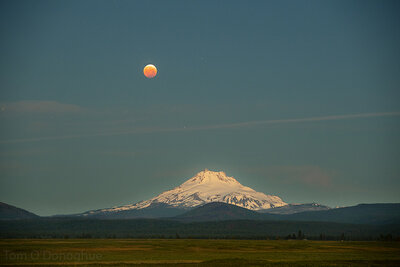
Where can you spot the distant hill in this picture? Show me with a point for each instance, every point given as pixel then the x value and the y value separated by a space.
pixel 219 211
pixel 155 210
pixel 361 214
pixel 374 214
pixel 212 220
pixel 8 212
pixel 296 208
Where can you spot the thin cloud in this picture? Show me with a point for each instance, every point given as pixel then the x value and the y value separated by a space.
pixel 309 119
pixel 33 106
pixel 208 127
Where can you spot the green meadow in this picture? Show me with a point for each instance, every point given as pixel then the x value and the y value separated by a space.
pixel 197 252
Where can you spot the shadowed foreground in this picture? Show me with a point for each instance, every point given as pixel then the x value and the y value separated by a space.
pixel 187 252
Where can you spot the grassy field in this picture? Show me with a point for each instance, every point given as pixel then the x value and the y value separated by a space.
pixel 189 252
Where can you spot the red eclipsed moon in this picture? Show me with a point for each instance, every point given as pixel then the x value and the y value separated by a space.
pixel 150 71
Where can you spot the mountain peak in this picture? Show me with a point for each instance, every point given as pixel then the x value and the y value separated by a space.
pixel 209 177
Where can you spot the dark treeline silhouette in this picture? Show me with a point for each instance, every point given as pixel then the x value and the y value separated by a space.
pixel 155 228
pixel 177 236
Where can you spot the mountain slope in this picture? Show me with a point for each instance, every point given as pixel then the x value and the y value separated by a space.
pixel 219 211
pixel 361 214
pixel 207 186
pixel 156 210
pixel 8 212
pixel 296 208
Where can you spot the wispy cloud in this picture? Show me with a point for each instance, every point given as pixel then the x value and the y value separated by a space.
pixel 33 106
pixel 309 119
pixel 206 127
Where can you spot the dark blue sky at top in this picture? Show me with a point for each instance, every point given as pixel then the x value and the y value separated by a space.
pixel 82 128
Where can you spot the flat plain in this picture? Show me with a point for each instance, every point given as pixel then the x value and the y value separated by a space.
pixel 197 252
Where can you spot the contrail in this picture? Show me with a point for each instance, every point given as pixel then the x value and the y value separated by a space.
pixel 206 127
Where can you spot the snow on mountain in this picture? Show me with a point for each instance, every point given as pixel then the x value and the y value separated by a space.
pixel 207 186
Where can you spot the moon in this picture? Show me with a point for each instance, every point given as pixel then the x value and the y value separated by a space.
pixel 150 71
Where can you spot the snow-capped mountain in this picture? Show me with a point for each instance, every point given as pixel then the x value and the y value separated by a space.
pixel 207 186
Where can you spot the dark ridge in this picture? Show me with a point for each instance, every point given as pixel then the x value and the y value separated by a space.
pixel 219 211
pixel 9 212
pixel 385 213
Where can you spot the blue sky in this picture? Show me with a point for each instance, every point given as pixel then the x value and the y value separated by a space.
pixel 293 98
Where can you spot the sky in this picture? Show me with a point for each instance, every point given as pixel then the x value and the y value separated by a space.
pixel 298 99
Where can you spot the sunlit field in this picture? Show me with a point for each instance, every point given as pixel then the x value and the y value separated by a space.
pixel 189 252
